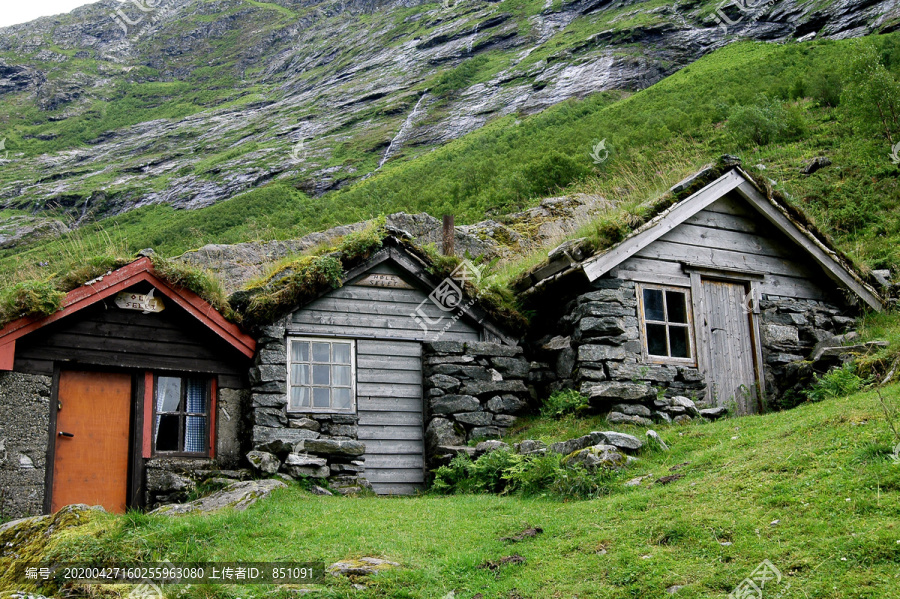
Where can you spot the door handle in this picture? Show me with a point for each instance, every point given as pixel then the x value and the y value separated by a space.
pixel 62 434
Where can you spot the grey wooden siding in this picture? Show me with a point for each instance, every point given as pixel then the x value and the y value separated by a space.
pixel 105 335
pixel 390 406
pixel 376 312
pixel 730 234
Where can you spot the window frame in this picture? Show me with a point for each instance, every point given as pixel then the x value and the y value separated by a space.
pixel 691 360
pixel 182 413
pixel 331 341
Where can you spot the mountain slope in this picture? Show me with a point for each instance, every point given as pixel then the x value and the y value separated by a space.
pixel 200 100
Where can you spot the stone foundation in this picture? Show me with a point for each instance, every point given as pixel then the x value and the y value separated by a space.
pixel 24 426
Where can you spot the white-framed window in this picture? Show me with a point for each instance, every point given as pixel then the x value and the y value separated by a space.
pixel 321 375
pixel 667 331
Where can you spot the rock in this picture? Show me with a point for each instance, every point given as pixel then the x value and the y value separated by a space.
pixel 668 479
pixel 451 404
pixel 164 481
pixel 613 391
pixel 620 418
pixel 441 433
pixel 493 387
pixel 475 418
pixel 637 480
pixel 297 459
pixel 505 404
pixel 682 419
pixel 631 409
pixel 238 495
pixel 883 276
pixel 558 343
pixel 489 446
pixel 346 447
pixel 530 446
pixel 442 381
pixel 684 402
pixel 307 423
pixel 601 353
pixel 263 462
pixel 713 413
pixel 363 566
pixel 280 441
pixel 484 432
pixel 619 440
pixel 654 438
pixel 317 490
pixel 661 418
pixel 597 456
pixel 776 334
pixel 817 163
pixel 567 447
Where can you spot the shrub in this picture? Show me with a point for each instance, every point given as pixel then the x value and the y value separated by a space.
pixel 766 121
pixel 838 382
pixel 560 403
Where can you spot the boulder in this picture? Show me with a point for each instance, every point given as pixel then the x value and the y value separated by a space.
pixel 597 456
pixel 687 404
pixel 238 495
pixel 631 409
pixel 307 423
pixel 505 404
pixel 529 446
pixel 263 462
pixel 343 447
pixel 617 391
pixel 567 447
pixel 558 343
pixel 620 418
pixel 682 419
pixel 484 432
pixel 493 387
pixel 815 164
pixel 279 441
pixel 619 440
pixel 475 418
pixel 489 446
pixel 441 432
pixel 362 566
pixel 601 353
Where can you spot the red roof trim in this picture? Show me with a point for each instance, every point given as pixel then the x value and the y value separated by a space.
pixel 107 285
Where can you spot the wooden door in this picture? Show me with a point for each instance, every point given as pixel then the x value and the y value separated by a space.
pixel 389 401
pixel 93 422
pixel 728 339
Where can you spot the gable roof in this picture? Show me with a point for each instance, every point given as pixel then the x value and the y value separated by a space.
pixel 416 265
pixel 140 270
pixel 836 266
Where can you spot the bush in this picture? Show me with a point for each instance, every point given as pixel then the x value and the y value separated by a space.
pixel 838 382
pixel 30 298
pixel 766 121
pixel 560 403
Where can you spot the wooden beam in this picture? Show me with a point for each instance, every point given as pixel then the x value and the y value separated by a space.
pixel 824 256
pixel 596 267
pixel 8 355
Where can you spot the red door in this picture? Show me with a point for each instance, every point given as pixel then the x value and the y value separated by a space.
pixel 92 426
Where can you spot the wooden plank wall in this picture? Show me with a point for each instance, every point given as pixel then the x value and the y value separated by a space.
pixel 391 419
pixel 730 234
pixel 105 335
pixel 376 312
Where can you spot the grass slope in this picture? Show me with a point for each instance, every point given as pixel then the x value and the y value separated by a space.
pixel 813 490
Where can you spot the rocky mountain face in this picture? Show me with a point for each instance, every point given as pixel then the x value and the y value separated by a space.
pixel 190 102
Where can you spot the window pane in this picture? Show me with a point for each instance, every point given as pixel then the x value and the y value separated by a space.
pixel 341 375
pixel 195 395
pixel 321 397
pixel 656 340
pixel 341 353
pixel 653 304
pixel 341 398
pixel 321 352
pixel 300 351
pixel 168 394
pixel 195 434
pixel 678 341
pixel 167 433
pixel 300 374
pixel 299 398
pixel 320 374
pixel 675 302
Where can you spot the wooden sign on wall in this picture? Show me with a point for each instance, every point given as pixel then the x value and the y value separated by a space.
pixel 146 303
pixel 380 280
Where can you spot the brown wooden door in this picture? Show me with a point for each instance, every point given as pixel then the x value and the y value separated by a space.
pixel 731 369
pixel 91 466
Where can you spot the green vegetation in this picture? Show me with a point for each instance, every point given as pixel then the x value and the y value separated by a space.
pixel 563 402
pixel 838 382
pixel 814 491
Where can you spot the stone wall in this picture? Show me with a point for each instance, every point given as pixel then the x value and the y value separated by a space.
pixel 473 391
pixel 790 330
pixel 597 350
pixel 24 426
pixel 294 444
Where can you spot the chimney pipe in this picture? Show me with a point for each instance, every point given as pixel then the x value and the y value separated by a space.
pixel 449 235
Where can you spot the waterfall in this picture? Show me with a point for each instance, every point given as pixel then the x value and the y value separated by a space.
pixel 404 129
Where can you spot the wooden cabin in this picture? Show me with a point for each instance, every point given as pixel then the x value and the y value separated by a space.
pixel 132 378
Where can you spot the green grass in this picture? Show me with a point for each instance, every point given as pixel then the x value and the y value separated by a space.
pixel 813 490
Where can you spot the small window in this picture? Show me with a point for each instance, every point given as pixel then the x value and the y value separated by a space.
pixel 181 407
pixel 665 314
pixel 321 376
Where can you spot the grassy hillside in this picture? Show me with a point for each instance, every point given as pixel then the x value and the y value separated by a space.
pixel 813 490
pixel 775 105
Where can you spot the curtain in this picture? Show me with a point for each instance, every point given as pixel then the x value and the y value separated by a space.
pixel 195 426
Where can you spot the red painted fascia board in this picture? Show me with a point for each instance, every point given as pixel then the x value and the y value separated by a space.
pixel 103 287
